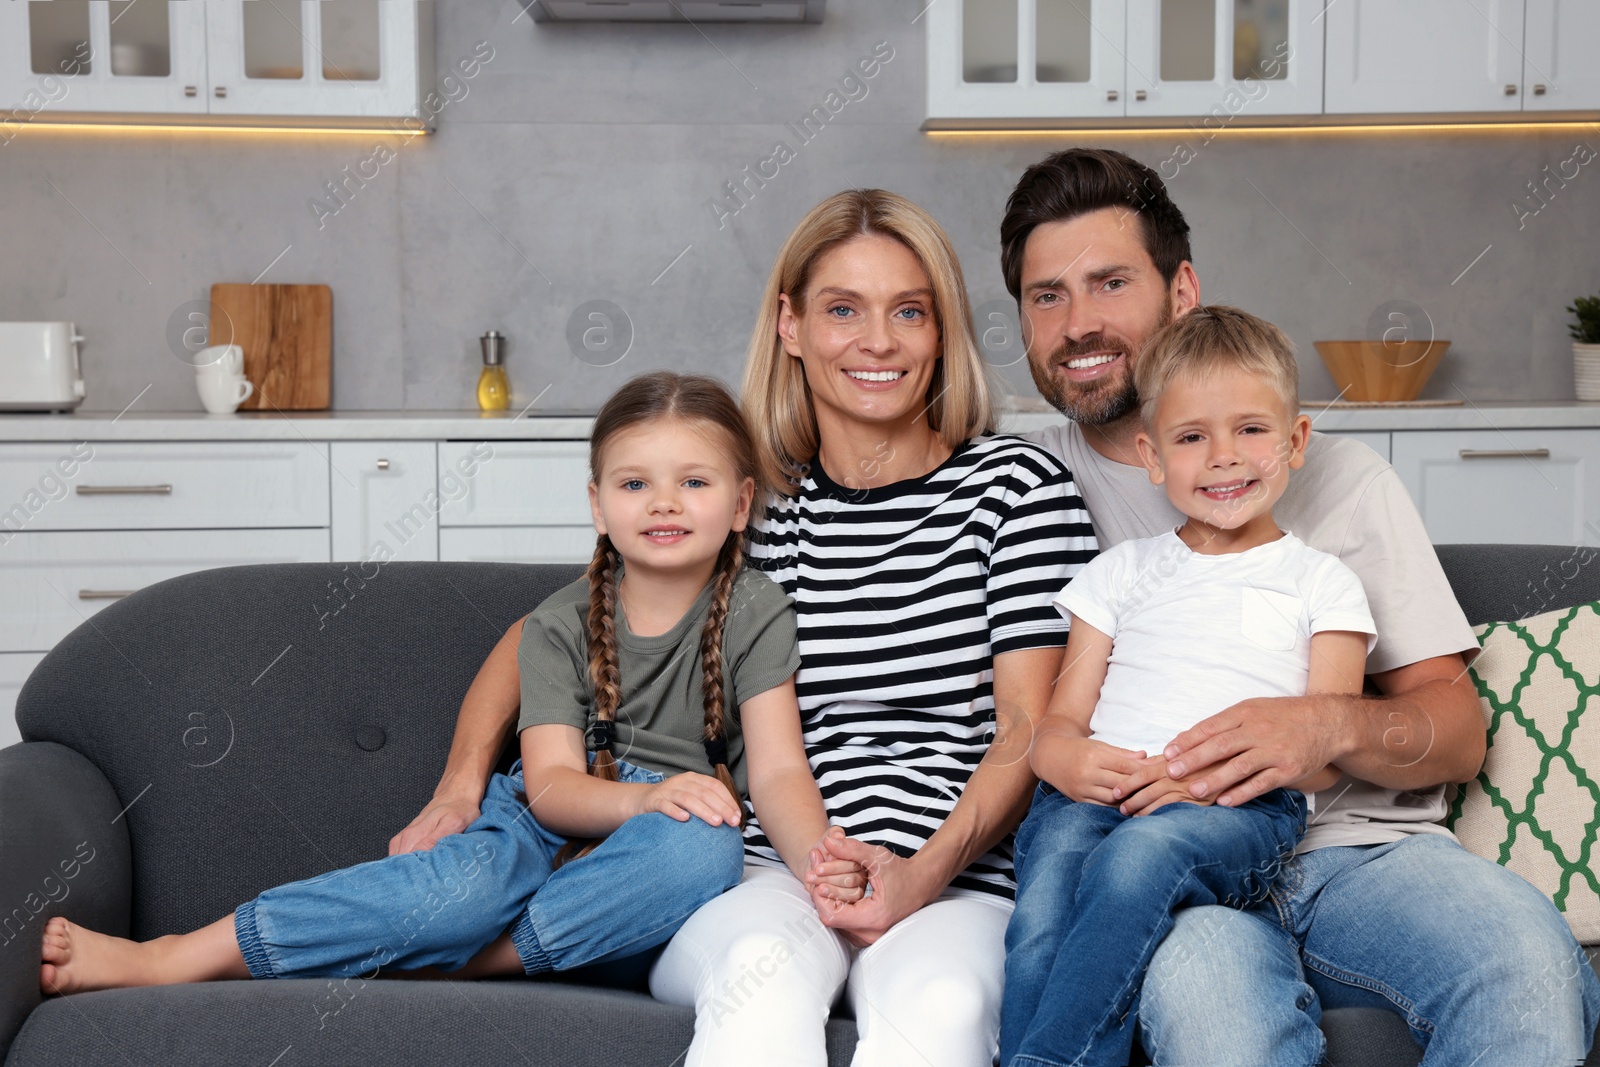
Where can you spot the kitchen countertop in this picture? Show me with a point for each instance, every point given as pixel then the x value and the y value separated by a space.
pixel 575 425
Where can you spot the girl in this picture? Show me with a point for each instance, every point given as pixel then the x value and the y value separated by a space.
pixel 576 858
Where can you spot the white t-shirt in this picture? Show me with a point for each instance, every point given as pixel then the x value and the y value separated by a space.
pixel 1193 634
pixel 1346 501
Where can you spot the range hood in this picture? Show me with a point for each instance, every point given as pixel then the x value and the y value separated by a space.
pixel 677 10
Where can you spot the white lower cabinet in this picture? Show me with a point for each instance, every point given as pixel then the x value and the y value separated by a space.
pixel 385 500
pixel 515 501
pixel 52 582
pixel 14 670
pixel 1503 487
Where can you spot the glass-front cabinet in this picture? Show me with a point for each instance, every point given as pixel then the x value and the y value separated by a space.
pixel 344 58
pixel 103 55
pixel 1042 59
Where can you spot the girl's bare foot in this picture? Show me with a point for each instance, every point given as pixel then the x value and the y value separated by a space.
pixel 75 959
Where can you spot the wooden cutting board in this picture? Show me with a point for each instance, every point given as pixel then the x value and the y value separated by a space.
pixel 286 332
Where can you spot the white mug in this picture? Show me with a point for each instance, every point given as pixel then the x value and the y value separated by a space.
pixel 223 393
pixel 229 358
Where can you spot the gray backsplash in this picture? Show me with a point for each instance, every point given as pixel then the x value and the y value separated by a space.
pixel 582 163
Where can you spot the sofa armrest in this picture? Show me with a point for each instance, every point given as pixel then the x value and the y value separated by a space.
pixel 64 850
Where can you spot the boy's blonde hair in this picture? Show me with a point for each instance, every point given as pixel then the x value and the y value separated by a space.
pixel 1216 338
pixel 776 399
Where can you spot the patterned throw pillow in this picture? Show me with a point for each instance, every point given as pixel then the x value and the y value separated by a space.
pixel 1535 806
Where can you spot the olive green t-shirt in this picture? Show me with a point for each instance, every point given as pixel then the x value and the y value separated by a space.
pixel 661 719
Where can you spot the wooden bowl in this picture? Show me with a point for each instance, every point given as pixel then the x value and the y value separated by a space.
pixel 1381 371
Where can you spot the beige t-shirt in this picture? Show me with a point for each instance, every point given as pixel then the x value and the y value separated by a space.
pixel 1346 501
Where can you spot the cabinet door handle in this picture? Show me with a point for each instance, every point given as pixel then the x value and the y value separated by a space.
pixel 124 490
pixel 190 90
pixel 1538 90
pixel 105 594
pixel 1111 94
pixel 1511 90
pixel 383 464
pixel 222 91
pixel 1140 94
pixel 1505 453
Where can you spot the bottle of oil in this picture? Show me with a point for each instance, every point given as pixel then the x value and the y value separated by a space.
pixel 494 389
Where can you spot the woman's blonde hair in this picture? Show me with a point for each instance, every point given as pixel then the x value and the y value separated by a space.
pixel 776 398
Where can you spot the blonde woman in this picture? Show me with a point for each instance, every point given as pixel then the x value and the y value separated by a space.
pixel 922 553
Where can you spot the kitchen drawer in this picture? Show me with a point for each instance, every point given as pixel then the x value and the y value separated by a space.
pixel 517 483
pixel 49 583
pixel 14 670
pixel 517 544
pixel 196 485
pixel 1503 487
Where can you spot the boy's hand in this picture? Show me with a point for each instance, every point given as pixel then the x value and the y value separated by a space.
pixel 1088 771
pixel 1150 788
pixel 689 794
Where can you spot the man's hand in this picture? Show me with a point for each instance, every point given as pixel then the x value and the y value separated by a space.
pixel 1256 746
pixel 897 890
pixel 1151 788
pixel 441 818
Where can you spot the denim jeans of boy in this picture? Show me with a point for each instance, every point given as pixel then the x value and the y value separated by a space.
pixel 1096 894
pixel 1479 964
pixel 440 907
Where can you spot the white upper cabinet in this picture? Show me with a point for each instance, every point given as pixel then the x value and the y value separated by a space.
pixel 312 58
pixel 109 55
pixel 1026 58
pixel 1224 58
pixel 1051 59
pixel 1560 72
pixel 1424 55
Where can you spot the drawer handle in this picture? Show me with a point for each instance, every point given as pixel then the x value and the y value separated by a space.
pixel 105 594
pixel 124 490
pixel 1505 453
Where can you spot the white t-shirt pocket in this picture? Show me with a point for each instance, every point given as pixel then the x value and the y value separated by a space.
pixel 1270 619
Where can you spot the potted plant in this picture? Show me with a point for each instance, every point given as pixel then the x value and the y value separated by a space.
pixel 1586 346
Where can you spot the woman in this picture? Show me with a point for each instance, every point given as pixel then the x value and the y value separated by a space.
pixel 922 555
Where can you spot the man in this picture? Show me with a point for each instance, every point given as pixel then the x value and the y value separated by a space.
pixel 1380 907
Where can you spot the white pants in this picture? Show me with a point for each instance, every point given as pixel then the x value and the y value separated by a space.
pixel 762 973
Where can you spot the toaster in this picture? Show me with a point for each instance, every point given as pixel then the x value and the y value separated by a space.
pixel 39 366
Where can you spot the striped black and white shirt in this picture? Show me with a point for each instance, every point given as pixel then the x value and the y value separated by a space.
pixel 903 594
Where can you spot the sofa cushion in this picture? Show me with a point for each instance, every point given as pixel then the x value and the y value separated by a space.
pixel 1535 806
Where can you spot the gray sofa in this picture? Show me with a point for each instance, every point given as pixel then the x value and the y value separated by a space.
pixel 229 730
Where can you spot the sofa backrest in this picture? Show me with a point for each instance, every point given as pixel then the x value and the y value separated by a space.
pixel 269 723
pixel 273 722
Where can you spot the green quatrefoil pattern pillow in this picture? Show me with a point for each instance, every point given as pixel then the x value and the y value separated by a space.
pixel 1535 806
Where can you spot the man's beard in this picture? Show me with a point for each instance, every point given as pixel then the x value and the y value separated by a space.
pixel 1103 401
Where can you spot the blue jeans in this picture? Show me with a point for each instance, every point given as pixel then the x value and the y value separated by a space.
pixel 1479 963
pixel 1096 893
pixel 440 907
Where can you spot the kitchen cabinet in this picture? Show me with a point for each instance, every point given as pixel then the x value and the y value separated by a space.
pixel 1507 56
pixel 385 500
pixel 1511 486
pixel 350 59
pixel 1039 59
pixel 1559 71
pixel 525 501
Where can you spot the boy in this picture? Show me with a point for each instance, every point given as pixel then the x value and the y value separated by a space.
pixel 1166 631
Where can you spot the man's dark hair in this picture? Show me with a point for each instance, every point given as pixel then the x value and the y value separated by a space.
pixel 1081 180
